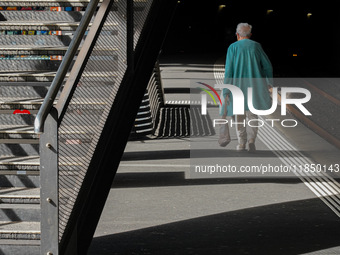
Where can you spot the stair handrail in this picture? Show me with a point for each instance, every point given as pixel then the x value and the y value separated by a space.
pixel 64 67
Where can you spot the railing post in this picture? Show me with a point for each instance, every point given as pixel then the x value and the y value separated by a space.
pixel 49 186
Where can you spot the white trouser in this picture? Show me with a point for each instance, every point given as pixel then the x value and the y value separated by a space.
pixel 243 130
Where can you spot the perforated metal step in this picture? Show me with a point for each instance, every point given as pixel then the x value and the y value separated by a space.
pixel 38 26
pixel 51 3
pixel 17 230
pixel 20 195
pixel 20 212
pixel 28 65
pixel 34 40
pixel 38 16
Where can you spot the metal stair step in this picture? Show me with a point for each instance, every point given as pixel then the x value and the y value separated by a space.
pixel 15 195
pixel 26 84
pixel 60 3
pixel 44 52
pixel 27 247
pixel 25 52
pixel 39 26
pixel 50 62
pixel 19 171
pixel 17 41
pixel 23 91
pixel 36 78
pixel 7 116
pixel 9 129
pixel 25 134
pixel 34 103
pixel 29 65
pixel 65 28
pixel 51 16
pixel 13 95
pixel 22 81
pixel 21 230
pixel 29 165
pixel 22 164
pixel 51 3
pixel 20 212
pixel 23 149
pixel 23 178
pixel 14 100
pixel 13 114
pixel 18 140
pixel 10 134
pixel 20 103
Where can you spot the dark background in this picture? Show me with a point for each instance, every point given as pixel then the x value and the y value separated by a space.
pixel 206 27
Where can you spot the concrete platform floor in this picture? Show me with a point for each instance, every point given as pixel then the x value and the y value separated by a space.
pixel 158 205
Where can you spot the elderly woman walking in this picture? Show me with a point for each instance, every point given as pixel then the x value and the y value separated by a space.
pixel 247 65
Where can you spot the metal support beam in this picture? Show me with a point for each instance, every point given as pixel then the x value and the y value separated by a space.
pixel 49 198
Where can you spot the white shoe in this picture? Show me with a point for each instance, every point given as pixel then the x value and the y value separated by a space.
pixel 241 147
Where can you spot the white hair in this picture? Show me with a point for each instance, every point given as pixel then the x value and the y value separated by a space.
pixel 244 29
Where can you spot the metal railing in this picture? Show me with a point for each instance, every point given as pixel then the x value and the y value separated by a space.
pixel 84 135
pixel 64 67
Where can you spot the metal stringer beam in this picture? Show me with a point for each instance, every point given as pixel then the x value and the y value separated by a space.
pixel 49 198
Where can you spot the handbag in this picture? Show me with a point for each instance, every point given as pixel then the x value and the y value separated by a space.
pixel 224 138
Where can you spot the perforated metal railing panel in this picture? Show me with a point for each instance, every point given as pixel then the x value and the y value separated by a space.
pixel 139 18
pixel 91 102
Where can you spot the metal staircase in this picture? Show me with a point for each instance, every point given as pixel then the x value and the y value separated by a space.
pixel 32 45
pixel 54 180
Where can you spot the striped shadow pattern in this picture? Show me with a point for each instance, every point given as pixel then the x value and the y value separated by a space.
pixel 320 183
pixel 183 121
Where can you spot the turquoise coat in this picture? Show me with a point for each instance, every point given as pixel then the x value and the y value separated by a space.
pixel 247 65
